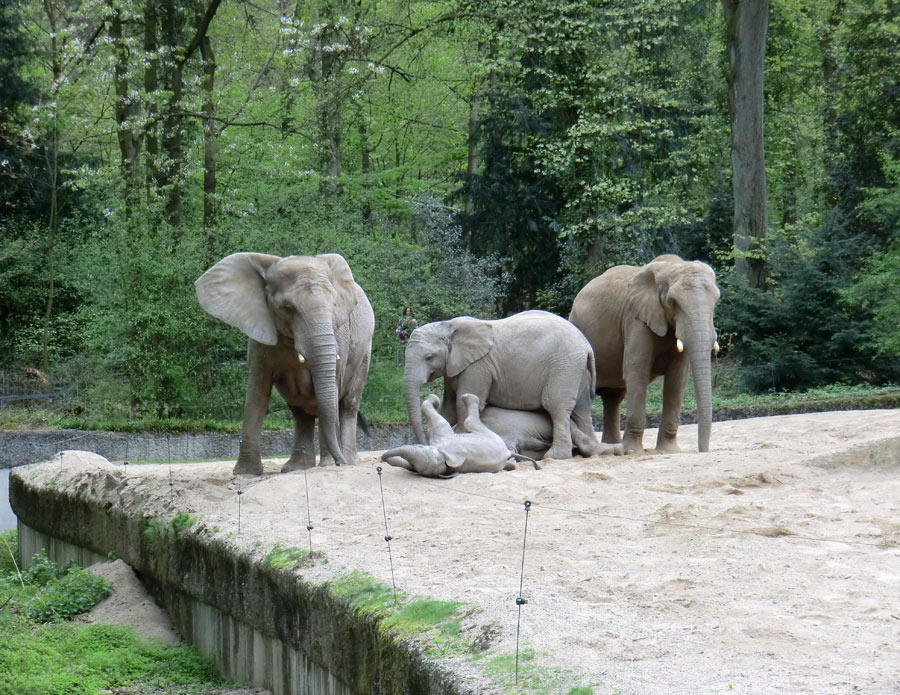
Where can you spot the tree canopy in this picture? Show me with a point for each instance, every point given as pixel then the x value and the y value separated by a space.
pixel 466 157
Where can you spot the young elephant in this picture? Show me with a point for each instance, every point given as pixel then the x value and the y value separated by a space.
pixel 530 433
pixel 533 360
pixel 476 450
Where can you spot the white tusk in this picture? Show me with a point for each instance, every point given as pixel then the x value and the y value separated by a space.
pixel 301 357
pixel 679 345
pixel 716 347
pixel 338 357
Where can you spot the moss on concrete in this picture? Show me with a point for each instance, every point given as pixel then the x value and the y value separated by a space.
pixel 295 626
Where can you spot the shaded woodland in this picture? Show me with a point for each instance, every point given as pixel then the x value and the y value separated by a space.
pixel 465 157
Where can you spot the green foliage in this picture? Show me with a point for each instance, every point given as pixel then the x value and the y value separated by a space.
pixel 799 333
pixel 62 598
pixel 9 551
pixel 182 521
pixel 72 659
pixel 153 530
pixel 41 653
pixel 602 134
pixel 281 557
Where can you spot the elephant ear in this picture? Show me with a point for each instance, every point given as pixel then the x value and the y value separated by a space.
pixel 453 459
pixel 234 291
pixel 645 296
pixel 344 285
pixel 470 340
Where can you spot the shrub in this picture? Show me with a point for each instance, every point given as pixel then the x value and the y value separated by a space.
pixel 74 592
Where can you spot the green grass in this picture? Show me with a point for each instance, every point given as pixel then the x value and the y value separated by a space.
pixel 728 393
pixel 182 521
pixel 43 654
pixel 404 615
pixel 281 557
pixel 533 678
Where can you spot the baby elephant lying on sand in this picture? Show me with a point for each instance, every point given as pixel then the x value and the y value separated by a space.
pixel 530 433
pixel 474 450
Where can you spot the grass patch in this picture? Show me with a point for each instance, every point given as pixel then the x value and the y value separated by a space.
pixel 281 557
pixel 406 616
pixel 153 530
pixel 534 678
pixel 9 552
pixel 182 521
pixel 42 653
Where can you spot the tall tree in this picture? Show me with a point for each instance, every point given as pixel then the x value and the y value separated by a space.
pixel 747 24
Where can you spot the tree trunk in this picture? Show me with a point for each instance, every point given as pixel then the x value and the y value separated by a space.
pixel 472 160
pixel 172 122
pixel 209 137
pixel 748 22
pixel 129 142
pixel 151 87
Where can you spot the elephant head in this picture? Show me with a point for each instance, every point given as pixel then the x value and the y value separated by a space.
pixel 442 348
pixel 423 459
pixel 671 294
pixel 300 299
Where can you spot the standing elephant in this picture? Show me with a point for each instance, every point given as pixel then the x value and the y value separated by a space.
pixel 645 322
pixel 530 361
pixel 310 328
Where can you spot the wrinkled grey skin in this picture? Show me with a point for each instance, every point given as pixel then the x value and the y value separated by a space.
pixel 530 361
pixel 474 450
pixel 530 433
pixel 633 317
pixel 288 307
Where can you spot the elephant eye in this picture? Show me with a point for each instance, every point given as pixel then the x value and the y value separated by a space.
pixel 429 357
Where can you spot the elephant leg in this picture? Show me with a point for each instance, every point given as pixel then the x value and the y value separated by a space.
pixel 636 421
pixel 560 413
pixel 448 403
pixel 478 387
pixel 348 432
pixel 612 400
pixel 256 403
pixel 304 452
pixel 473 422
pixel 325 456
pixel 674 383
pixel 438 426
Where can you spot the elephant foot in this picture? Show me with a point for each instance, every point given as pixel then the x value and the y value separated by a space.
pixel 298 463
pixel 611 450
pixel 633 446
pixel 558 452
pixel 247 466
pixel 670 447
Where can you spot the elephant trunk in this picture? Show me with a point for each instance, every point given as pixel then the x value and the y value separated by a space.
pixel 412 389
pixel 322 357
pixel 699 345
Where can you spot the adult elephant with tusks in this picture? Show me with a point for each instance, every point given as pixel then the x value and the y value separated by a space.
pixel 533 360
pixel 310 328
pixel 645 322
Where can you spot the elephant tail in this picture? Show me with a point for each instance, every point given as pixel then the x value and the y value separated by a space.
pixel 363 423
pixel 523 457
pixel 592 369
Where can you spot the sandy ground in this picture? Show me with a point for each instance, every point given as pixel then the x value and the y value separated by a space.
pixel 770 564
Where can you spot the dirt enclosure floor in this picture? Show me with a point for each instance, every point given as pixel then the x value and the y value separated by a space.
pixel 770 564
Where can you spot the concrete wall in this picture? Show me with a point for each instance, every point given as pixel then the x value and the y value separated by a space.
pixel 262 626
pixel 20 448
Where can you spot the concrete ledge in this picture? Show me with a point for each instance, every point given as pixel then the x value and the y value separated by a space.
pixel 260 625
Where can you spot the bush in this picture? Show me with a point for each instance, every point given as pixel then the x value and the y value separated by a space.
pixel 64 594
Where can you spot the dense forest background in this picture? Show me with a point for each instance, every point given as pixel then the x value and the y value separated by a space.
pixel 465 157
